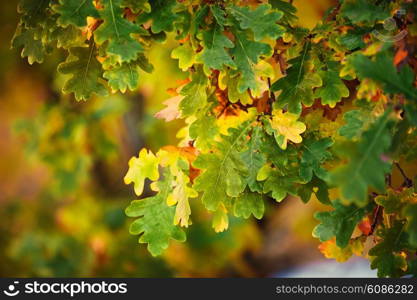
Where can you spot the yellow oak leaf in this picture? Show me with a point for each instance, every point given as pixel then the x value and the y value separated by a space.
pixel 188 152
pixel 185 55
pixel 220 219
pixel 287 128
pixel 169 159
pixel 331 250
pixel 140 168
pixel 230 83
pixel 263 70
pixel 180 195
pixel 225 122
pixel 170 156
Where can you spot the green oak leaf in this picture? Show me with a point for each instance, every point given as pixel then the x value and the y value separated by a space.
pixel 383 71
pixel 278 157
pixel 391 203
pixel 365 167
pixel 353 39
pixel 214 42
pixel 137 6
pixel 118 31
pixel 183 25
pixel 162 15
pixel 248 204
pixel 262 21
pixel 198 19
pixel 287 8
pixel 75 12
pixel 411 112
pixel 354 124
pixel 359 11
pixel 316 186
pixel 34 12
pixel 254 158
pixel 280 185
pixel 126 75
pixel 223 170
pixel 298 85
pixel 333 89
pixel 394 201
pixel 339 222
pixel 204 129
pixel 155 223
pixel 219 15
pixel 314 154
pixel 246 54
pixel 67 37
pixel 403 143
pixel 283 179
pixel 387 258
pixel 85 72
pixel 32 47
pixel 195 94
pixel 214 54
pixel 123 77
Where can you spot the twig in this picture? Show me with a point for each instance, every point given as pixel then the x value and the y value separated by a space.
pixel 377 213
pixel 271 98
pixel 407 181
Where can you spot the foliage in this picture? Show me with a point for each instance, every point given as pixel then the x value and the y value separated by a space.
pixel 271 109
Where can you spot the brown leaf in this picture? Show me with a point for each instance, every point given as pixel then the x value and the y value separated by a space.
pixel 328 112
pixel 262 104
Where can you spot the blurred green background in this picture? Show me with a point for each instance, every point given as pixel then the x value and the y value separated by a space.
pixel 62 196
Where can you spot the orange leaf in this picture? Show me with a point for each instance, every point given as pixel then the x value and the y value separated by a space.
pixel 189 152
pixel 400 56
pixel 175 91
pixel 365 226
